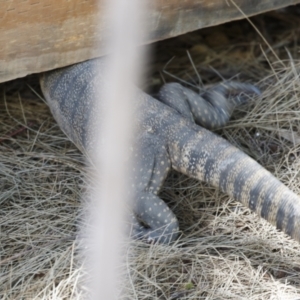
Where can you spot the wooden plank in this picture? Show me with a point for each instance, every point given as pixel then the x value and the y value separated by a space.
pixel 39 35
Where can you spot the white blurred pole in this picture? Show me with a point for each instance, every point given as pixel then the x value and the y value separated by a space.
pixel 110 191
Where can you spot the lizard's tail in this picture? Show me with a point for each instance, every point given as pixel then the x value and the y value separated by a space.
pixel 212 159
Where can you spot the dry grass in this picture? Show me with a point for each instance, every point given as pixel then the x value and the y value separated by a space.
pixel 225 252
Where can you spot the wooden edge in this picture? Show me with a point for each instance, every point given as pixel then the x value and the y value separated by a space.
pixel 40 35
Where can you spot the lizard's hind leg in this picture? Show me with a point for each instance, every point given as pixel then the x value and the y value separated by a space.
pixel 211 109
pixel 153 220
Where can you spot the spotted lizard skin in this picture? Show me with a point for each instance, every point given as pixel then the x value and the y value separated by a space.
pixel 170 136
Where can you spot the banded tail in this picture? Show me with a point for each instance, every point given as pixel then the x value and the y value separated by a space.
pixel 212 159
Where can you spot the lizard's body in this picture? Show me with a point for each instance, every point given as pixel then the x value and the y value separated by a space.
pixel 168 137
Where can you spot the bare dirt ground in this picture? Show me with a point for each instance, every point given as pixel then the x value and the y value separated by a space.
pixel 225 251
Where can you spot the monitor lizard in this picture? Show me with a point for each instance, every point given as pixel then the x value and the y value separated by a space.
pixel 171 134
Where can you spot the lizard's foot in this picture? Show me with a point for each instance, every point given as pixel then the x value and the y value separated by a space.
pixel 211 109
pixel 236 92
pixel 164 234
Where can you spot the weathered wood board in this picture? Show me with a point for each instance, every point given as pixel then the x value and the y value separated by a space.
pixel 39 35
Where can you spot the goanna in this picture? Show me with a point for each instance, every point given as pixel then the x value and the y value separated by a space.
pixel 169 137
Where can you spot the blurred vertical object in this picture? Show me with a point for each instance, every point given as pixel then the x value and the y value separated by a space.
pixel 114 134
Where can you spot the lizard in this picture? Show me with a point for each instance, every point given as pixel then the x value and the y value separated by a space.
pixel 172 134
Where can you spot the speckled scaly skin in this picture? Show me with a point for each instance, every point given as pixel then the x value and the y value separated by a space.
pixel 168 137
